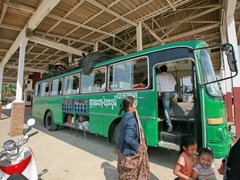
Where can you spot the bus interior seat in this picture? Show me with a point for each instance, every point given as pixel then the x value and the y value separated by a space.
pixel 183 109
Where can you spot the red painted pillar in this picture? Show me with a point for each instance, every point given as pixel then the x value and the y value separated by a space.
pixel 236 92
pixel 228 100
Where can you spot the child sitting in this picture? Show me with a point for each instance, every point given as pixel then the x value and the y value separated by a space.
pixel 204 170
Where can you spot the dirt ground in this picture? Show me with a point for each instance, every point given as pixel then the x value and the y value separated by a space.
pixel 68 154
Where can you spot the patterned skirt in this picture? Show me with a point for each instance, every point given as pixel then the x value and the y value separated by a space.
pixel 134 167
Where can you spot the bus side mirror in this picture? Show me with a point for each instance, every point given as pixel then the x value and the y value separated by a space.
pixel 228 49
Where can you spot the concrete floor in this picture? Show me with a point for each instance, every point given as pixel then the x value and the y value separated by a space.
pixel 67 156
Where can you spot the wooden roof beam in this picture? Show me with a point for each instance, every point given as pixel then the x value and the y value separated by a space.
pixel 9 78
pixel 171 4
pixel 42 11
pixel 238 32
pixel 11 27
pixel 66 15
pixel 153 33
pixel 79 24
pixel 58 18
pixel 4 10
pixel 192 32
pixel 56 45
pixel 112 12
pixel 112 47
pixel 183 35
pixel 63 37
pixel 25 68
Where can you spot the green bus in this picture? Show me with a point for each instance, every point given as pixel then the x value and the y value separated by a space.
pixel 90 102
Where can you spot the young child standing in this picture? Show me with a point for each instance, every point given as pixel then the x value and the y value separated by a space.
pixel 204 170
pixel 187 159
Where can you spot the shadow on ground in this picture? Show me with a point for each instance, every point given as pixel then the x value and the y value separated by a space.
pixel 92 143
pixel 110 172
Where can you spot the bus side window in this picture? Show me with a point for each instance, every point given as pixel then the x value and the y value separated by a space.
pixel 75 84
pixel 93 82
pixel 71 84
pixel 99 76
pixel 87 83
pixel 43 89
pixel 39 90
pixel 37 86
pixel 60 86
pixel 140 73
pixel 47 89
pixel 54 87
pixel 121 76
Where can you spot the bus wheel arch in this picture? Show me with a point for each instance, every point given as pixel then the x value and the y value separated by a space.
pixel 113 128
pixel 49 122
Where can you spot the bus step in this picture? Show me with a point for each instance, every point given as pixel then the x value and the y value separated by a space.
pixel 169 145
pixel 172 137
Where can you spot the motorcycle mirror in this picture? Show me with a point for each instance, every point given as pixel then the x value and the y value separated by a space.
pixel 31 122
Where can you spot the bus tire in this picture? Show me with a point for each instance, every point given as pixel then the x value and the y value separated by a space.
pixel 116 133
pixel 49 122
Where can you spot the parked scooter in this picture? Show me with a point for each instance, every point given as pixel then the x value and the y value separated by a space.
pixel 18 162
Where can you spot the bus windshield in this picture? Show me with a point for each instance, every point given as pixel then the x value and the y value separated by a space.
pixel 209 75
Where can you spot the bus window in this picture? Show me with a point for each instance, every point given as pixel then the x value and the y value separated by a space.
pixel 140 73
pixel 209 75
pixel 94 82
pixel 60 86
pixel 71 84
pixel 39 90
pixel 36 90
pixel 45 89
pixel 54 87
pixel 128 74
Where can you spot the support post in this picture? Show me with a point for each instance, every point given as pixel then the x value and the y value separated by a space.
pixel 226 73
pixel 232 38
pixel 70 59
pixel 139 36
pixel 96 47
pixel 1 83
pixel 18 106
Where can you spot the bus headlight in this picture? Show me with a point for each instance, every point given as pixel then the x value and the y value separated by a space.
pixel 214 121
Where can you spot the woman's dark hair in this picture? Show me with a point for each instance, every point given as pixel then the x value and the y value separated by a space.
pixel 207 151
pixel 126 103
pixel 187 141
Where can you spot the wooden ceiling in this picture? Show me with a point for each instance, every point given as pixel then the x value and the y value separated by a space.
pixel 111 23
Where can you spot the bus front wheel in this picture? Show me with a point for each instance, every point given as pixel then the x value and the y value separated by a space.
pixel 49 122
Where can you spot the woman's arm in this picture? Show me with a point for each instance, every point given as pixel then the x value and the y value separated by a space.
pixel 177 172
pixel 131 128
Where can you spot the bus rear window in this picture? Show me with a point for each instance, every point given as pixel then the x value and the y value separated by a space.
pixel 209 74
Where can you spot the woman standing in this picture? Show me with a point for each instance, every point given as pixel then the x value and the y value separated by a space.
pixel 132 157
